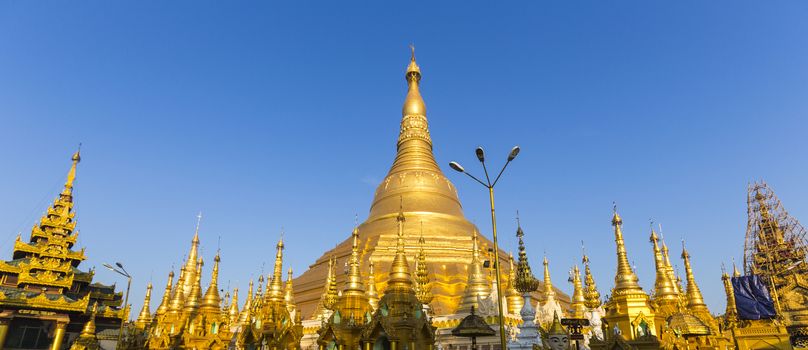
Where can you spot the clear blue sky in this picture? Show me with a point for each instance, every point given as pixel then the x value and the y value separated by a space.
pixel 264 116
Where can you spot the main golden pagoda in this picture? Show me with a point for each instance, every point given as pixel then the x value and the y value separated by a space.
pixel 45 300
pixel 430 202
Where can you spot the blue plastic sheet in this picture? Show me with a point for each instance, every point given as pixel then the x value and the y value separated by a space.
pixel 752 299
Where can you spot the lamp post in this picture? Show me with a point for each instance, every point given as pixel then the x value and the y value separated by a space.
pixel 121 271
pixel 490 185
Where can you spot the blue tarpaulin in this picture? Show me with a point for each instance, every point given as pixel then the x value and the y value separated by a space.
pixel 752 299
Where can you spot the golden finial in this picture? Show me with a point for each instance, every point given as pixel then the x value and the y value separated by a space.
pixel 400 278
pixel 578 299
pixel 71 175
pixel 695 300
pixel 664 289
pixel 625 279
pixel 353 284
pixel 414 103
pixel 144 318
pixel 423 285
pixel 591 294
pixel 211 300
pixel 275 283
pixel 373 296
pixel 549 292
pixel 233 311
pixel 735 272
pixel 289 292
pixel 89 327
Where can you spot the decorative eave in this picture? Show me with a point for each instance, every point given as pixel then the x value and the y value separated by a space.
pixel 41 301
pixel 46 278
pixel 6 267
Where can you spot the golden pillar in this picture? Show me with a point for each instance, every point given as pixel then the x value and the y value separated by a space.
pixel 3 332
pixel 393 345
pixel 58 335
pixel 367 346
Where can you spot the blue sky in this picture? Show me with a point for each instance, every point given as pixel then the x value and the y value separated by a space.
pixel 266 115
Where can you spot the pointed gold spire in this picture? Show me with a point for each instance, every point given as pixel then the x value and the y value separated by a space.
pixel 669 267
pixel 400 279
pixel 591 293
pixel 275 283
pixel 731 313
pixel 695 301
pixel 144 318
pixel 71 175
pixel 735 272
pixel 194 297
pixel 211 301
pixel 373 296
pixel 578 304
pixel 414 157
pixel 188 278
pixel 549 292
pixel 165 302
pixel 625 279
pixel 477 285
pixel 330 294
pixel 512 296
pixel 89 327
pixel 665 292
pixel 233 313
pixel 178 297
pixel 289 293
pixel 423 285
pixel 244 317
pixel 353 284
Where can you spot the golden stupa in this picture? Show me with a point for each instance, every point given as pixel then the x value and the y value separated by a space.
pixel 429 200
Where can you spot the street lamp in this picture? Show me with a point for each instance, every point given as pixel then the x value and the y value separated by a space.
pixel 121 271
pixel 490 185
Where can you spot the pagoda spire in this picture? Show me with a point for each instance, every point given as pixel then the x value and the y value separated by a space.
pixel 400 278
pixel 353 284
pixel 211 301
pixel 414 156
pixel 166 301
pixel 275 283
pixel 188 278
pixel 144 318
pixel 591 294
pixel 625 279
pixel 513 297
pixel 89 327
pixel 332 293
pixel 289 292
pixel 735 272
pixel 372 294
pixel 731 313
pixel 668 266
pixel 233 313
pixel 477 285
pixel 424 287
pixel 194 297
pixel 549 292
pixel 695 301
pixel 71 175
pixel 665 292
pixel 178 297
pixel 578 304
pixel 244 317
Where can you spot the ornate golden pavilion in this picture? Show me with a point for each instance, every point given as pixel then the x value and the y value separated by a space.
pixel 45 300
